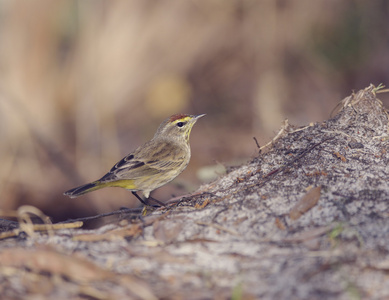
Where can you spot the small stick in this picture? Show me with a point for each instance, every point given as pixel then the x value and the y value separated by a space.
pixel 256 142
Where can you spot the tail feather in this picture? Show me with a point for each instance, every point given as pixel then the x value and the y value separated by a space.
pixel 83 189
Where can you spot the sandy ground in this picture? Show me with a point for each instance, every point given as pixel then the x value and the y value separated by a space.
pixel 306 219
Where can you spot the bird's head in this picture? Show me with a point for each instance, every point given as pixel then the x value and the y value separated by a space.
pixel 177 127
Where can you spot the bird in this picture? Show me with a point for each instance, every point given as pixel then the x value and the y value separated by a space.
pixel 151 165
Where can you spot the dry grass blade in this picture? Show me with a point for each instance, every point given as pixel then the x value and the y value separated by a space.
pixel 74 268
pixel 53 262
pixel 24 213
pixel 117 234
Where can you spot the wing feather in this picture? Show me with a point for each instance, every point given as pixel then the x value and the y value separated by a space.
pixel 148 161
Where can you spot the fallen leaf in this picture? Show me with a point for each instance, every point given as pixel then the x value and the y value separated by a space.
pixel 202 205
pixel 308 201
pixel 279 224
pixel 340 156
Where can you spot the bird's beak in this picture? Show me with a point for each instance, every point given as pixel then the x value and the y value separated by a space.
pixel 199 116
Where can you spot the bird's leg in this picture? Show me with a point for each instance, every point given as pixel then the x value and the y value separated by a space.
pixel 145 202
pixel 139 198
pixel 157 201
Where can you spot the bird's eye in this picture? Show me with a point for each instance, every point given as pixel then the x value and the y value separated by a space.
pixel 180 124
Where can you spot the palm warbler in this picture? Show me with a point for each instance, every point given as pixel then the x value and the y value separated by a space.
pixel 152 165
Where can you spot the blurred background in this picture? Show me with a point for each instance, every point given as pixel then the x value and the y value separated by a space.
pixel 83 83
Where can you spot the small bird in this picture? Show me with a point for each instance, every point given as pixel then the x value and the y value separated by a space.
pixel 152 165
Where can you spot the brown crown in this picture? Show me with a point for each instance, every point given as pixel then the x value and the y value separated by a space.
pixel 177 117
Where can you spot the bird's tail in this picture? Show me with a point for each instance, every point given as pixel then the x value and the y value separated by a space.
pixel 83 189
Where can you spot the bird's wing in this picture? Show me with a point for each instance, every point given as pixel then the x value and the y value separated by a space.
pixel 147 161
